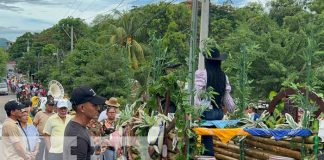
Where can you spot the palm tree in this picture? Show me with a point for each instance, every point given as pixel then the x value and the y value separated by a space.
pixel 124 34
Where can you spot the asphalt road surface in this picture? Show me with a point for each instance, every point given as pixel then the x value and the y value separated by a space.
pixel 3 100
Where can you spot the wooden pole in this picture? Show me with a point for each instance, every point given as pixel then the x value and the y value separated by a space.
pixel 276 149
pixel 284 144
pixel 230 153
pixel 249 151
pixel 309 140
pixel 223 157
pixel 203 31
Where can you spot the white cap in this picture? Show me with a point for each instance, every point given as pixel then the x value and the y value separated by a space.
pixel 63 103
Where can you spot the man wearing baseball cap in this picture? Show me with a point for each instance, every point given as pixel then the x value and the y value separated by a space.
pixel 54 130
pixel 13 140
pixel 40 120
pixel 77 142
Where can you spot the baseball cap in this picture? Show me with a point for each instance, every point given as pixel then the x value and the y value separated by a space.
pixel 86 94
pixel 50 101
pixel 63 103
pixel 13 105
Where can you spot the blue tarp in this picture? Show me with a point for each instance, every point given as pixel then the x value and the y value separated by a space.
pixel 220 123
pixel 278 133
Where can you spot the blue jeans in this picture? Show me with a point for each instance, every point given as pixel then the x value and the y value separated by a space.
pixel 108 155
pixel 213 114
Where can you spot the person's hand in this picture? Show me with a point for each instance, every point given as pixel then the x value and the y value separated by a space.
pixel 28 156
pixel 34 153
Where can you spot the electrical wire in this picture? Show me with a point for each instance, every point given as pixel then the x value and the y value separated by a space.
pixel 86 8
pixel 77 8
pixel 106 12
pixel 70 6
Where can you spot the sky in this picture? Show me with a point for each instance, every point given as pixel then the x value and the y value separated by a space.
pixel 20 16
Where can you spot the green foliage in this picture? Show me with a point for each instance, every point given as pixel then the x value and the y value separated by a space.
pixel 20 46
pixel 3 62
pixel 280 35
pixel 283 8
pixel 106 74
pixel 259 123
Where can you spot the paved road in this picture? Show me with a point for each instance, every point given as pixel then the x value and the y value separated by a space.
pixel 3 100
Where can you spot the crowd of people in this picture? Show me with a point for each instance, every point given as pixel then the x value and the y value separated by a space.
pixel 60 131
pixel 24 90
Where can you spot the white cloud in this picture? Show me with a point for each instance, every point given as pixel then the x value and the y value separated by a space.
pixel 37 15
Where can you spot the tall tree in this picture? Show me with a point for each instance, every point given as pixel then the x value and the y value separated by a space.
pixel 3 62
pixel 125 35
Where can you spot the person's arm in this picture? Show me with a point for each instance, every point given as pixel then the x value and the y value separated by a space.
pixel 200 85
pixel 36 149
pixel 47 140
pixel 21 151
pixel 228 100
pixel 36 119
pixel 14 136
pixel 47 133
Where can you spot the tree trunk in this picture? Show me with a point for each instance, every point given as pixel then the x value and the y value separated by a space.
pixel 276 149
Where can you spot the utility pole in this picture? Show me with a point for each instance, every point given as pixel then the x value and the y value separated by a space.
pixel 71 37
pixel 27 46
pixel 203 31
pixel 38 61
pixel 193 47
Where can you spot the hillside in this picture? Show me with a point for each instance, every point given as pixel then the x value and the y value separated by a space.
pixel 4 43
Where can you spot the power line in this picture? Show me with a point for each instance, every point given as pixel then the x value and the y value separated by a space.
pixel 86 8
pixel 77 8
pixel 70 6
pixel 105 12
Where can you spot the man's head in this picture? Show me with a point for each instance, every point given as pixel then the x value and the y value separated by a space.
pixel 62 107
pixel 250 108
pixel 28 104
pixel 13 109
pixel 111 113
pixel 50 104
pixel 86 102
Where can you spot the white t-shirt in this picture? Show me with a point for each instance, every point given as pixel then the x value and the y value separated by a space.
pixel 103 115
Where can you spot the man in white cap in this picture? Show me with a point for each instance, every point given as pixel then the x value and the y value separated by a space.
pixel 54 130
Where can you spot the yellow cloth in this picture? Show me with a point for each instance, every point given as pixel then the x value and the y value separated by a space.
pixel 35 101
pixel 224 135
pixel 55 127
pixel 30 120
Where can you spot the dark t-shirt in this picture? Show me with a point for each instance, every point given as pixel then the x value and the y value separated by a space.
pixel 77 143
